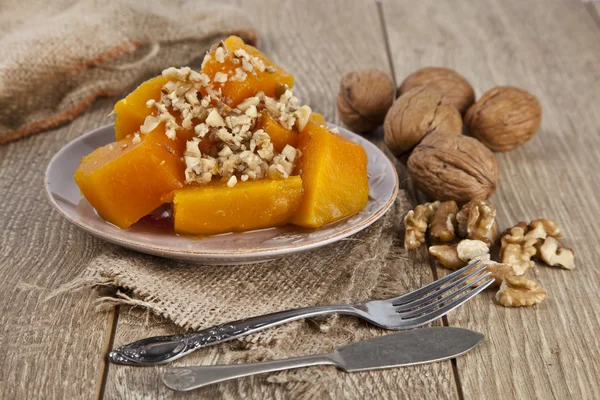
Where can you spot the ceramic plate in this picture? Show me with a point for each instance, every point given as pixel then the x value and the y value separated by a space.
pixel 230 248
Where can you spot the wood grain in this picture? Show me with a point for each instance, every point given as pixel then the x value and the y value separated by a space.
pixel 318 51
pixel 551 49
pixel 50 349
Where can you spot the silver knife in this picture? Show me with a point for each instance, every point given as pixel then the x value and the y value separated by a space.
pixel 414 347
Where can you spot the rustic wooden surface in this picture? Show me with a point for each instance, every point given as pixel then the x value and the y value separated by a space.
pixel 56 348
pixel 552 49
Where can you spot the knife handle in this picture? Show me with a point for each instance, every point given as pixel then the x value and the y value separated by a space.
pixel 189 378
pixel 164 349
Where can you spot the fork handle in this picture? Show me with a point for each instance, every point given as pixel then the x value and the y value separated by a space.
pixel 164 349
pixel 189 378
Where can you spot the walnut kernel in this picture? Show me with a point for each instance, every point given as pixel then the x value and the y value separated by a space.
pixel 518 291
pixel 553 254
pixel 447 255
pixel 477 221
pixel 469 249
pixel 443 224
pixel 416 222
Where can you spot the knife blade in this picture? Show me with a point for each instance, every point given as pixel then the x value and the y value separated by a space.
pixel 406 348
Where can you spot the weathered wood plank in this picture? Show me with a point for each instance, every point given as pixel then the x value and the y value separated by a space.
pixel 318 42
pixel 50 349
pixel 551 48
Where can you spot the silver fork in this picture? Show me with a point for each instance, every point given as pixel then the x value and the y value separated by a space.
pixel 411 310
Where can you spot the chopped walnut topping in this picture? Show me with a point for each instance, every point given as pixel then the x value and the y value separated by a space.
pixel 220 54
pixel 220 77
pixel 447 255
pixel 468 249
pixel 302 116
pixel 150 123
pixel 443 224
pixel 247 103
pixel 237 149
pixel 553 254
pixel 214 119
pixel 232 181
pixel 239 76
pixel 416 222
pixel 518 291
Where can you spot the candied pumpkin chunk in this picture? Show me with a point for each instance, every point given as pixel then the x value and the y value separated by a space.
pixel 280 137
pixel 132 110
pixel 334 176
pixel 128 179
pixel 318 119
pixel 235 90
pixel 217 208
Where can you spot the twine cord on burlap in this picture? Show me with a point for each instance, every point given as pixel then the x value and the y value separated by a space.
pixel 368 265
pixel 57 57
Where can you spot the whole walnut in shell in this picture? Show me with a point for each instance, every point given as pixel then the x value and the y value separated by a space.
pixel 504 118
pixel 456 91
pixel 364 99
pixel 453 167
pixel 416 114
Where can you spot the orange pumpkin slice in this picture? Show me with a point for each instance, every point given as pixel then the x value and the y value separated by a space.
pixel 217 208
pixel 334 175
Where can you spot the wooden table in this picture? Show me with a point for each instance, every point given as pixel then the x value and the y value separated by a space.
pixel 57 348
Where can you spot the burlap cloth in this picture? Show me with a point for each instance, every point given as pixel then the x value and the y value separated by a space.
pixel 368 265
pixel 57 56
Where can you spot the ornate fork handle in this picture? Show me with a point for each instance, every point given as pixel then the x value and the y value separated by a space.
pixel 164 349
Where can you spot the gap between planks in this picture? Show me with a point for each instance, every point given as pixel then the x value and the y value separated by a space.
pixel 111 328
pixel 414 195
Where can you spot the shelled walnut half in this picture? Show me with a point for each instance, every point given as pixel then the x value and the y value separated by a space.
pixel 553 254
pixel 416 222
pixel 443 225
pixel 516 250
pixel 455 256
pixel 538 239
pixel 447 256
pixel 518 291
pixel 477 221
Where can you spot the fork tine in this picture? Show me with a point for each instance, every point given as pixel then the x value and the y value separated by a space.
pixel 422 300
pixel 445 299
pixel 432 286
pixel 440 312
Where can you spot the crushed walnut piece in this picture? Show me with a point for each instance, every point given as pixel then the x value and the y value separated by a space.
pixel 447 256
pixel 468 249
pixel 498 271
pixel 553 254
pixel 518 291
pixel 443 225
pixel 549 226
pixel 477 221
pixel 455 256
pixel 516 250
pixel 416 222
